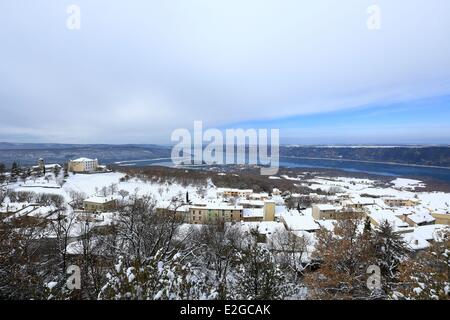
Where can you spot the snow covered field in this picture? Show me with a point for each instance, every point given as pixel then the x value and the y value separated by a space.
pixel 366 192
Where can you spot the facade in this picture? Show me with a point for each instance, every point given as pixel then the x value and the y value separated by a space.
pixel 41 166
pixel 330 212
pixel 269 210
pixel 419 219
pixel 99 204
pixel 395 202
pixel 442 218
pixel 235 193
pixel 259 214
pixel 324 211
pixel 293 221
pixel 214 212
pixel 83 165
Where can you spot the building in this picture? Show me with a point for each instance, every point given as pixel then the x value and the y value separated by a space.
pixel 259 196
pixel 83 165
pixel 398 202
pixel 42 167
pixel 269 210
pixel 211 213
pixel 378 217
pixel 99 204
pixel 419 219
pixel 253 215
pixel 441 217
pixel 324 211
pixel 234 193
pixel 293 221
pixel 358 202
pixel 251 203
pixel 331 212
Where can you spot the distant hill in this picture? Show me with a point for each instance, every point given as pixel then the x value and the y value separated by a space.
pixel 27 154
pixel 419 155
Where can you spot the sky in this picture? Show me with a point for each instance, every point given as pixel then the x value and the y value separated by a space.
pixel 137 70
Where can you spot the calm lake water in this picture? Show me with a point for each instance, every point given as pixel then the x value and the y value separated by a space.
pixel 386 169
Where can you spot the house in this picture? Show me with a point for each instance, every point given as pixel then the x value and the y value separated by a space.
pixel 400 202
pixel 420 219
pixel 328 211
pixel 251 203
pixel 259 196
pixel 42 167
pixel 358 202
pixel 202 213
pixel 83 165
pixel 378 217
pixel 100 204
pixel 324 211
pixel 423 236
pixel 252 214
pixel 293 221
pixel 212 212
pixel 180 212
pixel 442 217
pixel 234 193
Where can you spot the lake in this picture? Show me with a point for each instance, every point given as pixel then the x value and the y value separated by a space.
pixel 385 169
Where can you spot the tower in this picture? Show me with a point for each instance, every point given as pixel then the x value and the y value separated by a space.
pixel 269 210
pixel 41 164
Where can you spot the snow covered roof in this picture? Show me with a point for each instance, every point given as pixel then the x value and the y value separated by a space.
pixel 259 195
pixel 429 232
pixel 98 199
pixel 327 224
pixel 259 203
pixel 263 227
pixel 297 222
pixel 356 199
pixel 421 217
pixel 384 215
pixel 218 206
pixel 253 212
pixel 48 166
pixel 415 242
pixel 83 160
pixel 235 190
pixel 326 207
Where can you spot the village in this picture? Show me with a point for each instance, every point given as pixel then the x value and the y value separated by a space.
pixel 90 193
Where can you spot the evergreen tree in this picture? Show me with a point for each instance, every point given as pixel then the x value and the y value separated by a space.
pixel 155 279
pixel 258 277
pixel 15 169
pixel 390 250
pixel 367 226
pixel 427 275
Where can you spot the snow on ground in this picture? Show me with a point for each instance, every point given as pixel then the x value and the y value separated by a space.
pixel 435 200
pixel 92 184
pixel 411 184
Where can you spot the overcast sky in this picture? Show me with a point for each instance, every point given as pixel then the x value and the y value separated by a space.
pixel 136 70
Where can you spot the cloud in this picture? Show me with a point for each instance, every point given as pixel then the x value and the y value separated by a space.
pixel 138 70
